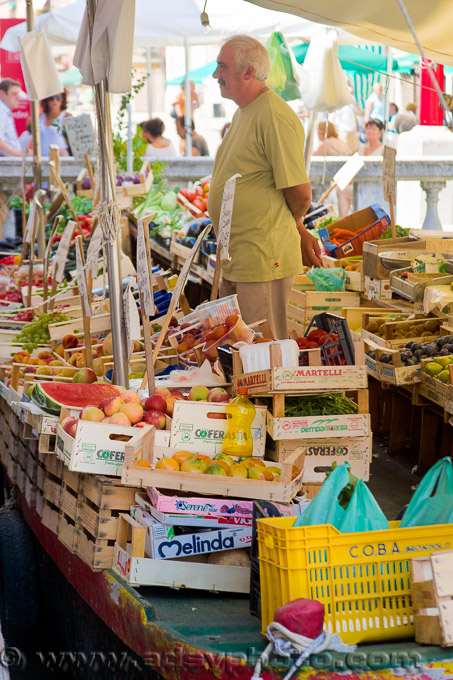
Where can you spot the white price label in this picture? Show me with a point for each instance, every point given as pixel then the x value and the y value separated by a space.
pixel 82 283
pixel 93 252
pixel 81 135
pixel 145 286
pixel 348 171
pixel 388 173
pixel 226 214
pixel 62 252
pixel 130 317
pixel 184 273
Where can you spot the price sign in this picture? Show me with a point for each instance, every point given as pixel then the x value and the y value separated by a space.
pixel 81 135
pixel 348 171
pixel 93 251
pixel 82 283
pixel 62 252
pixel 29 227
pixel 130 318
pixel 226 213
pixel 388 173
pixel 184 273
pixel 145 286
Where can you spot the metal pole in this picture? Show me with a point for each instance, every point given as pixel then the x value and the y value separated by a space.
pixel 130 159
pixel 386 90
pixel 149 85
pixel 188 102
pixel 309 140
pixel 36 140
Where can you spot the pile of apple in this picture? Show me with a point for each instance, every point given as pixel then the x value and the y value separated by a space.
pixel 221 464
pixel 160 404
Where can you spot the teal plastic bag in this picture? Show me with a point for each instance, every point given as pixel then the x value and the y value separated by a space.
pixel 432 502
pixel 325 508
pixel 363 512
pixel 327 279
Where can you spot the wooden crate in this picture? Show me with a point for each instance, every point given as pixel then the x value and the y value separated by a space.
pixel 432 598
pixel 50 515
pixel 67 531
pixel 304 305
pixel 388 337
pixel 146 180
pixel 102 500
pixel 354 278
pixel 39 502
pixel 310 490
pixel 96 552
pixel 20 478
pixel 30 492
pixel 11 470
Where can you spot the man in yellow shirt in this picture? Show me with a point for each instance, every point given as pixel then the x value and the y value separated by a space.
pixel 265 145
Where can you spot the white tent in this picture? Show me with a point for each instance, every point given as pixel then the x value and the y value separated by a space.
pixel 382 22
pixel 169 23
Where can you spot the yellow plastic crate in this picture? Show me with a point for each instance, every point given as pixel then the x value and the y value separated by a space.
pixel 362 579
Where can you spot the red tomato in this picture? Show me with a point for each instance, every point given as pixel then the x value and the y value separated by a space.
pixel 311 345
pixel 302 342
pixel 184 192
pixel 317 335
pixel 200 203
pixel 198 190
pixel 80 218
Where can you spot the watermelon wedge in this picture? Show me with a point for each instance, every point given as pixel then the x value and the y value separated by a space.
pixel 52 396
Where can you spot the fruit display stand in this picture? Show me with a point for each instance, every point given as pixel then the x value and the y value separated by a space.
pixel 304 305
pixel 139 469
pixel 412 286
pixel 131 564
pixel 393 371
pixel 435 390
pixel 396 334
pixel 126 190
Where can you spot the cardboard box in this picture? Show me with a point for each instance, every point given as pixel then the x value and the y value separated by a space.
pixel 319 427
pixel 195 428
pixel 95 450
pixel 373 215
pixel 356 451
pixel 377 289
pixel 161 543
pixel 431 592
pixel 178 519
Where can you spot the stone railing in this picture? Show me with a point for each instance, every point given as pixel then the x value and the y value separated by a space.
pixel 431 172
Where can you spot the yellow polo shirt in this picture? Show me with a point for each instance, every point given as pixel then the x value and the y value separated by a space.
pixel 265 144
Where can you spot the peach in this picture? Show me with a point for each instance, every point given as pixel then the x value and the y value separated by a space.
pixel 130 397
pixel 111 405
pixel 55 362
pixel 92 413
pixel 120 419
pixel 59 350
pixel 167 464
pixel 216 469
pixel 237 470
pixel 170 404
pixel 156 402
pixel 198 393
pixel 133 411
pixel 85 375
pixel 67 372
pixel 181 456
pixel 70 426
pixel 69 341
pixel 43 370
pixel 106 419
pixel 195 465
pixel 74 358
pixel 182 347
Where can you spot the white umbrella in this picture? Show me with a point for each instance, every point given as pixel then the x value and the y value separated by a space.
pixel 169 23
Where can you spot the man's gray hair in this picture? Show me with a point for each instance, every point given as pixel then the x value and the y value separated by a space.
pixel 250 52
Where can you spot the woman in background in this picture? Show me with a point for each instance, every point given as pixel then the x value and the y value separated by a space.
pixel 374 146
pixel 51 123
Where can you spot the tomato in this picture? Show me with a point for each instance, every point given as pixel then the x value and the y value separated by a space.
pixel 184 192
pixel 302 342
pixel 317 335
pixel 311 345
pixel 80 218
pixel 198 190
pixel 200 203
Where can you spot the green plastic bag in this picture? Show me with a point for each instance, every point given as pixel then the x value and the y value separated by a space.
pixel 363 513
pixel 325 508
pixel 276 79
pixel 327 279
pixel 432 502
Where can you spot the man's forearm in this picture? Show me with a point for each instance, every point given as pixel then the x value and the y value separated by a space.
pixel 298 199
pixel 6 148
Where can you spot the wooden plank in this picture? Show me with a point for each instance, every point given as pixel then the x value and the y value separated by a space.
pixel 97 554
pixel 428 454
pixel 107 494
pixel 101 524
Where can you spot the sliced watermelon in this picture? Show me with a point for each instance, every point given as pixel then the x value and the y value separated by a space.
pixel 52 396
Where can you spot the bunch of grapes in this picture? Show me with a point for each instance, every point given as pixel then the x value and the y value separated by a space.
pixel 37 332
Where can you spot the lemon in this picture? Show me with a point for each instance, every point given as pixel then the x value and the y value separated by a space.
pixel 432 368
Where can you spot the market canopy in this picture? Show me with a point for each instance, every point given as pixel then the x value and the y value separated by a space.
pixel 382 22
pixel 169 23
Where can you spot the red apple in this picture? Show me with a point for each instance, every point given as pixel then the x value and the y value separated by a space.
pixel 156 418
pixel 164 392
pixel 177 394
pixel 218 394
pixel 156 402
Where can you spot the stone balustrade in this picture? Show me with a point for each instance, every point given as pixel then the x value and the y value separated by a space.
pixel 431 172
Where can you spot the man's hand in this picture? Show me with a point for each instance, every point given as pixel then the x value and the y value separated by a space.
pixel 311 252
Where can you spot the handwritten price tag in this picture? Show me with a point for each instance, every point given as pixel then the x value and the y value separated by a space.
pixel 82 284
pixel 388 173
pixel 145 286
pixel 226 213
pixel 62 252
pixel 93 252
pixel 184 273
pixel 128 312
pixel 81 135
pixel 29 227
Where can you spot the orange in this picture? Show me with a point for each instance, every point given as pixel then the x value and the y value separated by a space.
pixel 142 463
pixel 167 464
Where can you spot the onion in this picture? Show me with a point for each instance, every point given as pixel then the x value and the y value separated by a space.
pixel 118 180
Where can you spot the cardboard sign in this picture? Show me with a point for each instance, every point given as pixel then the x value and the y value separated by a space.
pixel 62 252
pixel 94 249
pixel 145 286
pixel 388 173
pixel 131 318
pixel 226 213
pixel 82 283
pixel 348 171
pixel 81 135
pixel 183 274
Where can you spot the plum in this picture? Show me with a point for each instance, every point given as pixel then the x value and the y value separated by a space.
pixel 86 183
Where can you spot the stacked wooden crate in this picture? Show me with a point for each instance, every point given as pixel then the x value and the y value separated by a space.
pixel 305 304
